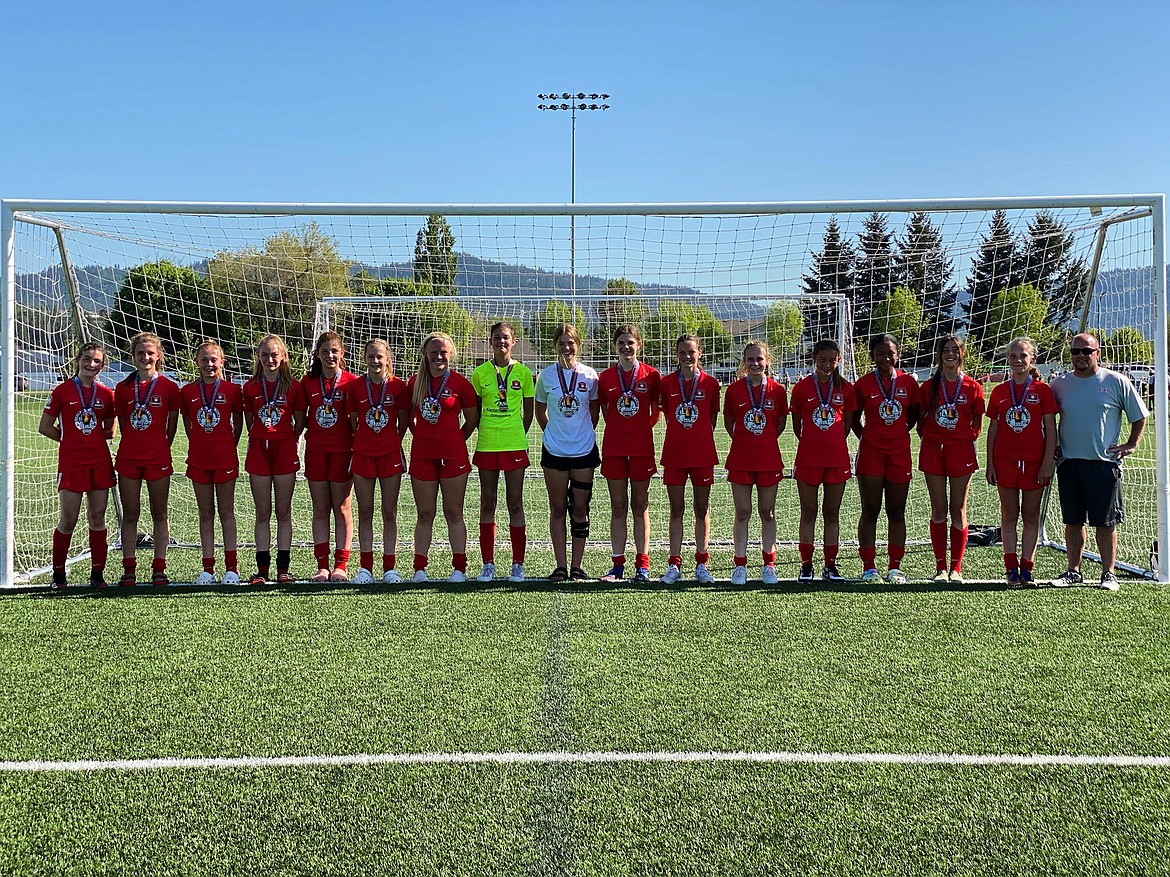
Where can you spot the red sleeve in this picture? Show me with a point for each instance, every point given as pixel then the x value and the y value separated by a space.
pixel 468 398
pixel 849 402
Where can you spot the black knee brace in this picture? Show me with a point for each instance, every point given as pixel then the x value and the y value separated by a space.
pixel 580 529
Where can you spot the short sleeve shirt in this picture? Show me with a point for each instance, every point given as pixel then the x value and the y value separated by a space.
pixel 822 411
pixel 629 400
pixel 272 409
pixel 956 416
pixel 1091 410
pixel 377 415
pixel 755 414
pixel 83 415
pixel 883 409
pixel 327 427
pixel 211 440
pixel 143 420
pixel 691 410
pixel 438 435
pixel 569 432
pixel 501 394
pixel 1020 434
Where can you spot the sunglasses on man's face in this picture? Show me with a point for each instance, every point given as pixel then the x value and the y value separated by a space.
pixel 1083 351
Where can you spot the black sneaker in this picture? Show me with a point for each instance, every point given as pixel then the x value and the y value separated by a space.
pixel 59 583
pixel 830 574
pixel 806 573
pixel 97 579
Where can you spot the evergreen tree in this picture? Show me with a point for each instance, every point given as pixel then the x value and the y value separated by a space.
pixel 831 273
pixel 1049 267
pixel 996 267
pixel 922 265
pixel 435 264
pixel 873 276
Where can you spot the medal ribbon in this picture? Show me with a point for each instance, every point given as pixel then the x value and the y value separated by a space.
pixel 264 389
pixel 948 397
pixel 757 404
pixel 826 397
pixel 627 390
pixel 86 407
pixel 436 394
pixel 569 389
pixel 381 393
pixel 138 403
pixel 502 380
pixel 1019 403
pixel 209 403
pixel 327 395
pixel 888 395
pixel 688 394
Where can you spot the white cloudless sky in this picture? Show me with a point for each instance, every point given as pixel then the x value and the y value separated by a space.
pixel 436 102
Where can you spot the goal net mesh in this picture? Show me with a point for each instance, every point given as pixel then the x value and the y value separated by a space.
pixel 789 278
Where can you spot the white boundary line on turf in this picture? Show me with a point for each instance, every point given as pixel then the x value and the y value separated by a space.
pixel 585 758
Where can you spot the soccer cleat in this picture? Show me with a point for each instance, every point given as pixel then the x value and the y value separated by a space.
pixel 159 578
pixel 1027 579
pixel 258 578
pixel 487 573
pixel 420 575
pixel 942 577
pixel 60 582
pixel 672 575
pixel 830 573
pixel 363 577
pixel 517 573
pixel 768 574
pixel 231 577
pixel 896 577
pixel 871 577
pixel 285 578
pixel 703 575
pixel 616 574
pixel 321 575
pixel 97 580
pixel 127 579
pixel 956 577
pixel 1068 578
pixel 642 576
pixel 806 573
pixel 1109 581
pixel 457 575
pixel 1013 577
pixel 739 575
pixel 205 578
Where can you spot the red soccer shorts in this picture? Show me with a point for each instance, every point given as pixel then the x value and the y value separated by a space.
pixel 501 461
pixel 326 466
pixel 382 466
pixel 84 480
pixel 435 469
pixel 1017 474
pixel 894 466
pixel 269 457
pixel 766 478
pixel 952 460
pixel 142 473
pixel 200 475
pixel 698 475
pixel 822 474
pixel 633 468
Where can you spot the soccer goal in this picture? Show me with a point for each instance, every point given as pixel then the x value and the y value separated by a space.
pixel 789 273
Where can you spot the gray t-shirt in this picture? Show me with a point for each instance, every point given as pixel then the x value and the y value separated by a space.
pixel 1090 412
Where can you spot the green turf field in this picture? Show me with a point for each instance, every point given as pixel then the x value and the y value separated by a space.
pixel 338 670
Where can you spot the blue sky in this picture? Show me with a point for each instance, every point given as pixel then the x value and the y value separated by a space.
pixel 384 101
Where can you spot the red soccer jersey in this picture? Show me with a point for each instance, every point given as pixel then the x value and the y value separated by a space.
pixel 628 410
pixel 755 413
pixel 272 410
pixel 435 427
pixel 377 434
pixel 1021 432
pixel 822 425
pixel 690 412
pixel 143 421
pixel 327 419
pixel 884 421
pixel 956 416
pixel 83 415
pixel 211 441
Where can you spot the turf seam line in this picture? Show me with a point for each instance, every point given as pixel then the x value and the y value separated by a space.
pixel 587 758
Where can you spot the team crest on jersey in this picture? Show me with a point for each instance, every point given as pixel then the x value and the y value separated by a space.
pixel 1032 399
pixel 515 384
pixel 1018 418
pixel 754 421
pixel 581 385
pixel 687 413
pixel 900 391
pixel 640 387
pixel 627 406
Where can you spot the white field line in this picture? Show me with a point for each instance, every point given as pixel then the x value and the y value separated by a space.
pixel 587 758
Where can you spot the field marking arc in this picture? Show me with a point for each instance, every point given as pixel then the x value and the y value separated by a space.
pixel 587 758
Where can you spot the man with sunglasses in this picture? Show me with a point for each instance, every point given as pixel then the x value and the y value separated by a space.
pixel 1092 400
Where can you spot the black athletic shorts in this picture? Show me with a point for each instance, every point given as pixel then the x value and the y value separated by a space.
pixel 1090 489
pixel 564 464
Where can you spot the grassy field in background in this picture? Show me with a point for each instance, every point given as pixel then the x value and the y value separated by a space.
pixel 337 670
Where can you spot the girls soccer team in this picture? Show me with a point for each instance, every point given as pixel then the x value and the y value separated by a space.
pixel 354 428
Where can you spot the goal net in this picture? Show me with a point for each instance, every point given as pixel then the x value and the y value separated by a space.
pixel 790 274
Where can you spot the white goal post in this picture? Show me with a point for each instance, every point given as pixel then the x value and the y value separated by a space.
pixel 981 267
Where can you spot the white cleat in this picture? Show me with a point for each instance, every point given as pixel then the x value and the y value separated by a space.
pixel 364 577
pixel 517 573
pixel 672 575
pixel 703 575
pixel 488 573
pixel 231 577
pixel 205 578
pixel 391 577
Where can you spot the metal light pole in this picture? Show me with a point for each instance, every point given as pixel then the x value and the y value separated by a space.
pixel 573 103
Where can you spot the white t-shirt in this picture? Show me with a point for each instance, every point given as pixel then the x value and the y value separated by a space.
pixel 570 427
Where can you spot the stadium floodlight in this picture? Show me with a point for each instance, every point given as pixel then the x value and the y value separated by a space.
pixel 578 104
